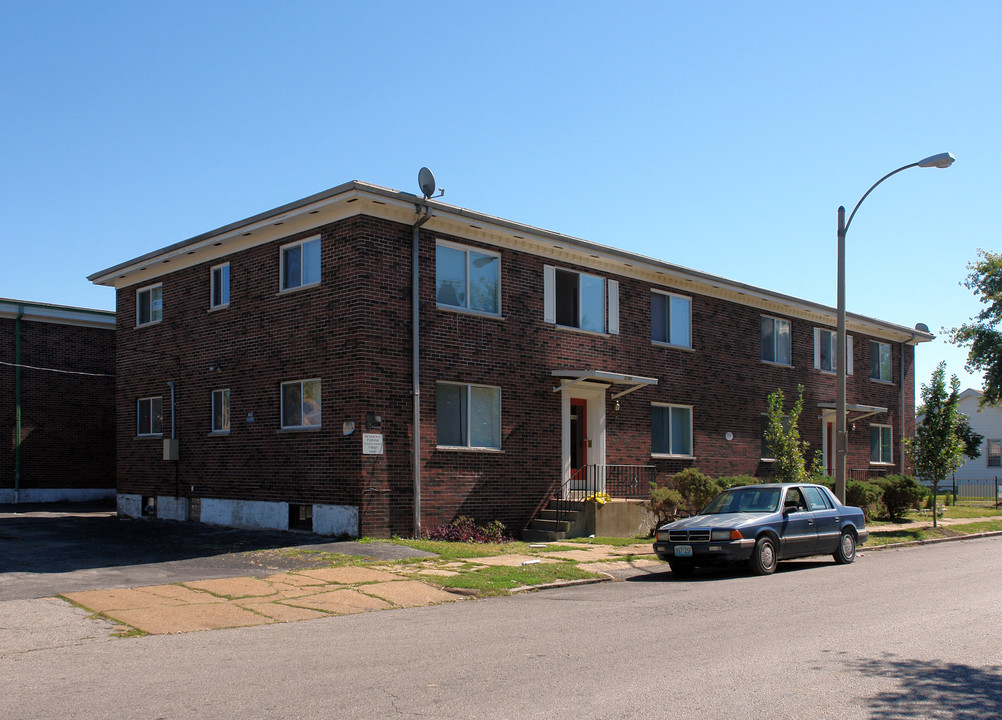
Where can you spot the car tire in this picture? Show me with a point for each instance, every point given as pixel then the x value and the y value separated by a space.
pixel 764 557
pixel 846 551
pixel 681 568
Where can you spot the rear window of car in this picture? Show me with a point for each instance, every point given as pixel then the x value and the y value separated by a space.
pixel 816 499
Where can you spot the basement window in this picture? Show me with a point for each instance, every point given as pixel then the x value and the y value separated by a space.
pixel 301 517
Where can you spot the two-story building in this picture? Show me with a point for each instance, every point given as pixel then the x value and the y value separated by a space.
pixel 366 361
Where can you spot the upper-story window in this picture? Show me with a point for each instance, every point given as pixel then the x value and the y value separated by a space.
pixel 881 450
pixel 220 286
pixel 150 416
pixel 220 411
pixel 149 305
pixel 776 340
pixel 671 430
pixel 671 319
pixel 825 353
pixel 579 300
pixel 301 404
pixel 880 361
pixel 301 264
pixel 467 279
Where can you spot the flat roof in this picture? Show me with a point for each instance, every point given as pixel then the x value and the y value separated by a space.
pixel 59 314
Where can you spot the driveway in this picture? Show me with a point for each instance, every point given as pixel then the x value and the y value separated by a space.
pixel 50 549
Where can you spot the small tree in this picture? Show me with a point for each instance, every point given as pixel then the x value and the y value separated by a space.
pixel 937 448
pixel 983 333
pixel 783 439
pixel 695 488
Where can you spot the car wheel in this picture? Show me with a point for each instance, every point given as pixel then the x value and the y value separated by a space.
pixel 846 551
pixel 763 559
pixel 681 568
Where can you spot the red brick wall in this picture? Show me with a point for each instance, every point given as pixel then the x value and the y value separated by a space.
pixel 354 332
pixel 67 421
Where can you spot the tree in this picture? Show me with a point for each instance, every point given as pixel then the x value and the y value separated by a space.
pixel 937 448
pixel 783 439
pixel 982 335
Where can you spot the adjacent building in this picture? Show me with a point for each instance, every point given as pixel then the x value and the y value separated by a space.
pixel 287 370
pixel 57 403
pixel 987 422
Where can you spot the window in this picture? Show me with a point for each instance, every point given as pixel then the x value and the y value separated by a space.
pixel 816 499
pixel 994 453
pixel 220 292
pixel 825 344
pixel 671 319
pixel 776 340
pixel 880 444
pixel 150 413
pixel 767 453
pixel 576 300
pixel 149 305
pixel 880 361
pixel 671 430
pixel 301 264
pixel 301 404
pixel 469 416
pixel 220 411
pixel 467 279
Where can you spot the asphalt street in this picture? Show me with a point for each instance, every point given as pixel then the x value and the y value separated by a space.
pixel 913 633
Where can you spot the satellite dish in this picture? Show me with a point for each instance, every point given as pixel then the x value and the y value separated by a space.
pixel 426 181
pixel 922 327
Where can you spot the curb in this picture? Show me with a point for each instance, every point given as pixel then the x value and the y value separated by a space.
pixel 562 583
pixel 931 541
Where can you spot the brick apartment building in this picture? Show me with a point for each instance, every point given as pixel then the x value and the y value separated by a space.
pixel 278 353
pixel 57 403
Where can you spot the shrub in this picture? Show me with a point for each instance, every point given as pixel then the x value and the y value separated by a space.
pixel 901 493
pixel 465 529
pixel 864 495
pixel 663 504
pixel 737 481
pixel 696 488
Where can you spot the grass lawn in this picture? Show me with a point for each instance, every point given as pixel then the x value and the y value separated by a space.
pixel 888 537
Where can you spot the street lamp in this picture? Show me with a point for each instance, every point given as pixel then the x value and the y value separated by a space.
pixel 942 160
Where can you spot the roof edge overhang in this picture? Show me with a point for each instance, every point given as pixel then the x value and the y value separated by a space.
pixel 344 201
pixel 829 409
pixel 574 377
pixel 56 314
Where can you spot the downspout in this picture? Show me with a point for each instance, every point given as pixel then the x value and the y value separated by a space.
pixel 17 402
pixel 415 360
pixel 901 459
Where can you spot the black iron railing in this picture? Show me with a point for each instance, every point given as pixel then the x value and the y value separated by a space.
pixel 865 474
pixel 603 482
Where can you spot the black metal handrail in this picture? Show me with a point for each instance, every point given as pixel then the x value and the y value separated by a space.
pixel 591 482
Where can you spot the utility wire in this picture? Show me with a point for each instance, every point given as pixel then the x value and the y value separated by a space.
pixel 64 372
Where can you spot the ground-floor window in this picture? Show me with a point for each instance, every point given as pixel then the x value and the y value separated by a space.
pixel 468 416
pixel 150 416
pixel 880 444
pixel 300 404
pixel 671 430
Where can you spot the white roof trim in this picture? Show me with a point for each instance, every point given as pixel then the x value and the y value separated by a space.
pixel 828 409
pixel 576 376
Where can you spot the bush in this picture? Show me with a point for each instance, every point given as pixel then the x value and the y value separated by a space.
pixel 737 481
pixel 864 495
pixel 695 488
pixel 901 493
pixel 663 504
pixel 465 529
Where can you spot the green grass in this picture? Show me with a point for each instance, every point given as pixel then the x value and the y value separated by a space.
pixel 613 541
pixel 501 580
pixel 889 537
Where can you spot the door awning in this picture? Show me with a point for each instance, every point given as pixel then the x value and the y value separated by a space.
pixel 576 376
pixel 865 411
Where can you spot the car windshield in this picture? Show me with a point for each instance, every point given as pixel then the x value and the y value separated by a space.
pixel 749 499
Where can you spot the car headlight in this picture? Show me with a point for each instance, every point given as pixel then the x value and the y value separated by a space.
pixel 725 535
pixel 662 535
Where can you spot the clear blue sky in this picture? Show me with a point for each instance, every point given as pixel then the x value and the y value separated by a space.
pixel 720 136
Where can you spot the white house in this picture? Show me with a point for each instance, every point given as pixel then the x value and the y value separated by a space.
pixel 987 422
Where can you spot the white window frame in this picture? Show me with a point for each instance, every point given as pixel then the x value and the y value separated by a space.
pixel 775 336
pixel 890 431
pixel 156 313
pixel 610 301
pixel 303 425
pixel 692 439
pixel 467 431
pixel 670 299
pixel 890 362
pixel 997 455
pixel 302 264
pixel 149 432
pixel 819 334
pixel 214 284
pixel 466 307
pixel 224 394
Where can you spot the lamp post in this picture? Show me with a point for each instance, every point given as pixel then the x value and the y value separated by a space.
pixel 942 160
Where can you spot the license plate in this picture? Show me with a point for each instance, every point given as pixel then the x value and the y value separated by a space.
pixel 683 551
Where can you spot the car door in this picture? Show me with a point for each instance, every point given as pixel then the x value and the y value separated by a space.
pixel 826 520
pixel 799 533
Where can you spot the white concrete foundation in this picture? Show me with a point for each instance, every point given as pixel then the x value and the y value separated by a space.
pixel 335 520
pixel 47 495
pixel 130 505
pixel 172 508
pixel 253 514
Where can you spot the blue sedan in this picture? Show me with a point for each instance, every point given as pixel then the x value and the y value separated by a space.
pixel 761 525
